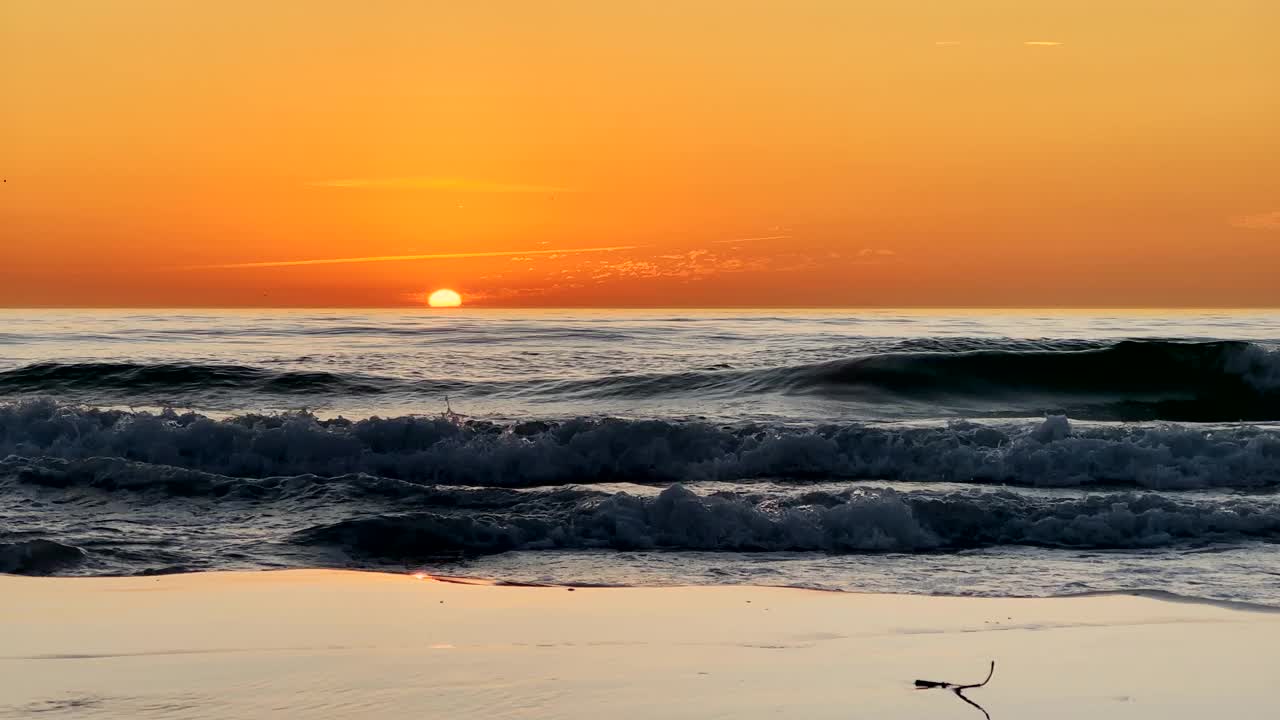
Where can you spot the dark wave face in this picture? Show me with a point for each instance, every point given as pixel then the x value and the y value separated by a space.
pixel 38 557
pixel 1130 380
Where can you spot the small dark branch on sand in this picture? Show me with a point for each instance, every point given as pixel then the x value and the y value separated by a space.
pixel 959 689
pixel 930 684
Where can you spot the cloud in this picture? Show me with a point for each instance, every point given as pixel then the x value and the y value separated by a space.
pixel 482 296
pixel 1042 43
pixel 751 239
pixel 398 258
pixel 672 264
pixel 1259 221
pixel 693 265
pixel 439 184
pixel 628 268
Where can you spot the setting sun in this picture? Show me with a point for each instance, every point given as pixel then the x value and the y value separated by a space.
pixel 444 298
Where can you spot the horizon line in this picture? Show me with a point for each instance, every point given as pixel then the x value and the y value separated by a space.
pixel 465 307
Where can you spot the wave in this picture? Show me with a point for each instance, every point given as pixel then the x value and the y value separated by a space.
pixel 850 522
pixel 119 475
pixel 450 451
pixel 1133 380
pixel 38 557
pixel 52 377
pixel 1173 597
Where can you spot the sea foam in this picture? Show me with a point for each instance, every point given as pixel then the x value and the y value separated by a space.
pixel 436 450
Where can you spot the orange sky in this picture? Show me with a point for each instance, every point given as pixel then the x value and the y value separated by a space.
pixel 588 153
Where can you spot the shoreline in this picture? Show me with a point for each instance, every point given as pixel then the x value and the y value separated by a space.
pixel 326 643
pixel 1147 593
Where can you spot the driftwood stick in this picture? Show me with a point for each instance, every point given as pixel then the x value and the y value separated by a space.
pixel 990 672
pixel 931 684
pixel 959 689
pixel 962 697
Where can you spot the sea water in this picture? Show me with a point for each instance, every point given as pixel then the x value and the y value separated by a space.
pixel 954 452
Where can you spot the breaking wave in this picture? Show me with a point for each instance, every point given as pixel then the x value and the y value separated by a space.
pixel 449 451
pixel 849 522
pixel 408 489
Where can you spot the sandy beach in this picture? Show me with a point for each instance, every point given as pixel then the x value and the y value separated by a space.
pixel 323 644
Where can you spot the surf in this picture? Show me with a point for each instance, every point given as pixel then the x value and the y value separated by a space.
pixel 448 450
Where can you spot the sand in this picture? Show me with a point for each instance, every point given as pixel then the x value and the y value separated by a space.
pixel 331 644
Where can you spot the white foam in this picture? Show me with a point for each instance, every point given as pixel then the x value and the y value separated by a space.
pixel 1052 453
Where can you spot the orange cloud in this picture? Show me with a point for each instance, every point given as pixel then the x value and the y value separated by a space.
pixel 1259 221
pixel 514 254
pixel 751 239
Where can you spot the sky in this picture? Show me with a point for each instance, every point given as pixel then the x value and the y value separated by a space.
pixel 567 153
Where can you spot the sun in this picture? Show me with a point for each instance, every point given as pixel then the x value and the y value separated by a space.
pixel 444 298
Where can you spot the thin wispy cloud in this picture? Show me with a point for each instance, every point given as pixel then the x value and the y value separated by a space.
pixel 750 239
pixel 1042 43
pixel 1257 221
pixel 440 184
pixel 691 265
pixel 401 258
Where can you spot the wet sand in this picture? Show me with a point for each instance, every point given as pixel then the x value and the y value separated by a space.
pixel 329 644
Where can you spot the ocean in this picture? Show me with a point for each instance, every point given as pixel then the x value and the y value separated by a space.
pixel 991 453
